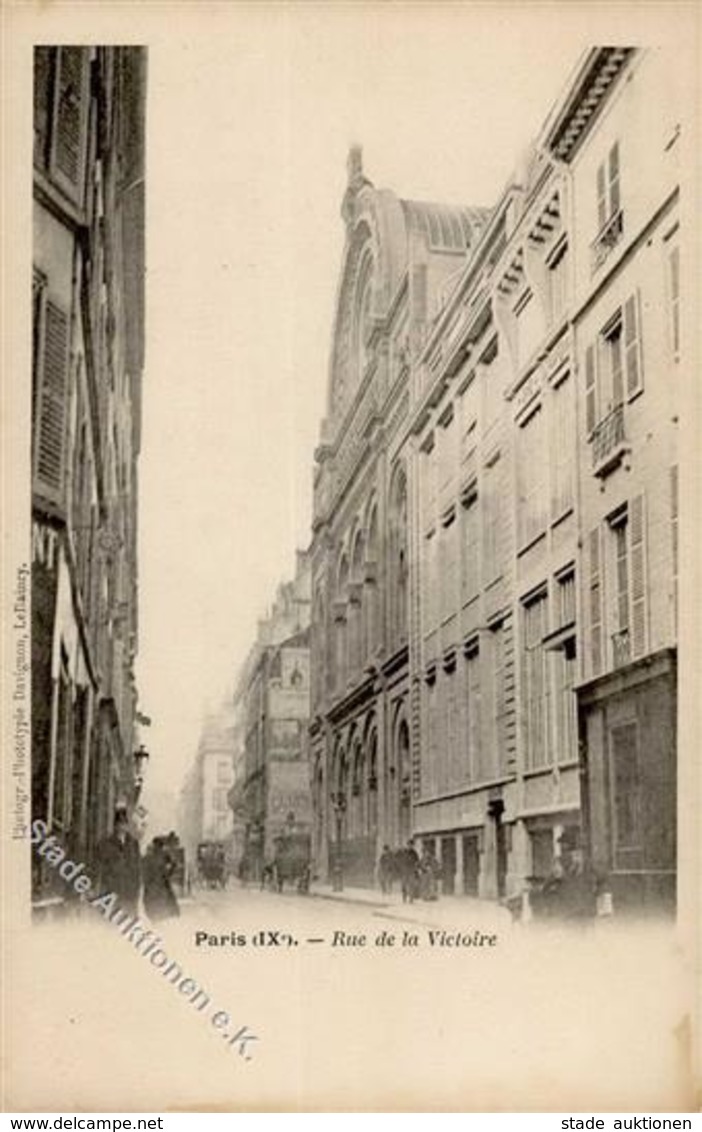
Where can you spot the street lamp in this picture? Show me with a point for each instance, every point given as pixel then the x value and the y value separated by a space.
pixel 338 801
pixel 141 757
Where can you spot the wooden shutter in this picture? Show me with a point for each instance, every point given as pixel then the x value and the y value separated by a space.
pixel 595 572
pixel 632 346
pixel 590 390
pixel 626 789
pixel 70 118
pixel 637 524
pixel 674 539
pixel 50 424
pixel 601 197
pixel 43 74
pixel 674 262
pixel 614 194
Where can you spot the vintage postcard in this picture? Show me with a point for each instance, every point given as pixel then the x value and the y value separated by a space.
pixel 350 500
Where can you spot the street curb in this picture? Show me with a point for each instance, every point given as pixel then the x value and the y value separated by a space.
pixel 349 900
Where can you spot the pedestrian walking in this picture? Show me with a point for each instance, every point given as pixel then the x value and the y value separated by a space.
pixel 119 863
pixel 409 873
pixel 429 872
pixel 160 902
pixel 386 869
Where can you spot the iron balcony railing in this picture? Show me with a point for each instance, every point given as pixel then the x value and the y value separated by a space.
pixel 621 648
pixel 608 437
pixel 607 238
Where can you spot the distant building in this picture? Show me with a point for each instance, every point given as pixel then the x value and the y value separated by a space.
pixel 215 757
pixel 87 363
pixel 203 811
pixel 272 790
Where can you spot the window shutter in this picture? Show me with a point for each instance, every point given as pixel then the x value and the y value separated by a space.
pixel 674 538
pixel 43 72
pixel 595 602
pixel 590 390
pixel 614 196
pixel 69 119
pixel 638 576
pixel 632 346
pixel 675 301
pixel 601 197
pixel 50 424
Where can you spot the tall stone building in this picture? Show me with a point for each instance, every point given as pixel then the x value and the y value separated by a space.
pixel 204 813
pixel 272 708
pixel 399 256
pixel 494 646
pixel 88 356
pixel 625 177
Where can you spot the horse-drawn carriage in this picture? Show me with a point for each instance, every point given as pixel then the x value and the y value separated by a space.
pixel 291 862
pixel 211 861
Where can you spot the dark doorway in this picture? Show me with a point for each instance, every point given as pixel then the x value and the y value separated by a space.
pixel 501 853
pixel 448 865
pixel 471 864
pixel 541 852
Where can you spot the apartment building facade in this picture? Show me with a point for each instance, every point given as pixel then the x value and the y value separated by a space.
pixel 626 184
pixel 87 362
pixel 272 792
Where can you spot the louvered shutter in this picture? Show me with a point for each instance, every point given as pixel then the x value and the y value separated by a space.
pixel 632 346
pixel 43 71
pixel 50 424
pixel 675 301
pixel 674 538
pixel 69 119
pixel 601 197
pixel 614 195
pixel 637 524
pixel 590 390
pixel 595 572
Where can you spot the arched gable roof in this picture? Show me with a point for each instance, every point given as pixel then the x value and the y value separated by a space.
pixel 375 257
pixel 381 233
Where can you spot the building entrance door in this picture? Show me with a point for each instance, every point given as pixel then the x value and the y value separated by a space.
pixel 471 864
pixel 448 865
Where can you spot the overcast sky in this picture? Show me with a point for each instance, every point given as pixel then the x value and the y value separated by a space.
pixel 250 116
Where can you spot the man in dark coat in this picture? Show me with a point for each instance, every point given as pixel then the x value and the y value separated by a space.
pixel 119 863
pixel 160 901
pixel 409 872
pixel 386 869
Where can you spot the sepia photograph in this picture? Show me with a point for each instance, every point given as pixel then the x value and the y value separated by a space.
pixel 350 557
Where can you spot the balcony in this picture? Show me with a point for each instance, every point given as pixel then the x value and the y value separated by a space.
pixel 621 648
pixel 609 442
pixel 607 238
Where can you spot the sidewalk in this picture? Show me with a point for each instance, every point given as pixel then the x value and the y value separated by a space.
pixel 446 912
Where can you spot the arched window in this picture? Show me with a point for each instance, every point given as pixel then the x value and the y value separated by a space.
pixel 340 622
pixel 339 794
pixel 358 792
pixel 371 605
pixel 318 810
pixel 318 658
pixel 398 559
pixel 372 761
pixel 356 604
pixel 363 325
pixel 404 777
